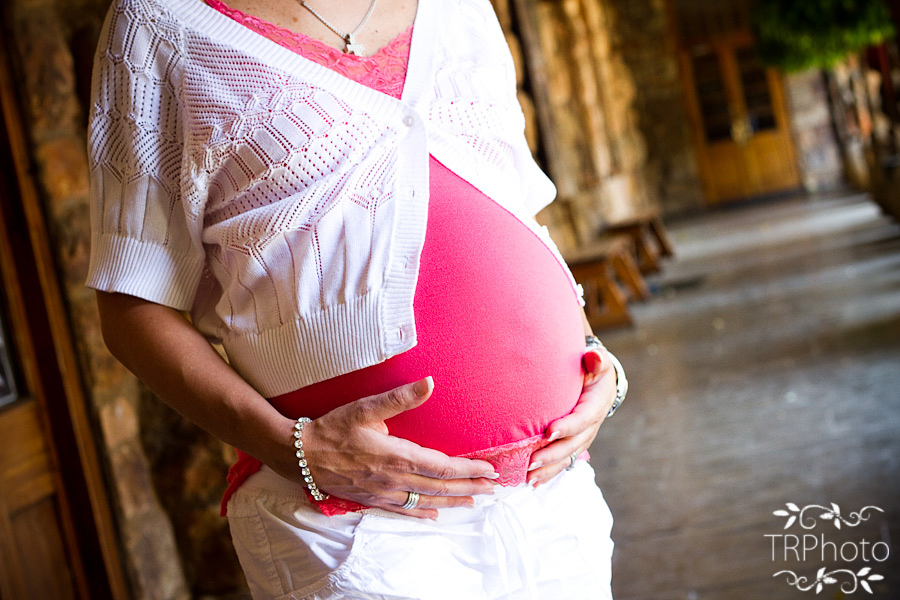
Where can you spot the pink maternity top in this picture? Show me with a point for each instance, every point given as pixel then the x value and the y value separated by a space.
pixel 498 322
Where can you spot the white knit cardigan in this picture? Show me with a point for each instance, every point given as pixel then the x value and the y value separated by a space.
pixel 282 203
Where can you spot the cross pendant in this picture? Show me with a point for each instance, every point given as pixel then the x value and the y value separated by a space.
pixel 352 47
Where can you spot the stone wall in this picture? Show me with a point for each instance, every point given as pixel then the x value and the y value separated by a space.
pixel 585 107
pixel 51 43
pixel 600 153
pixel 642 42
pixel 818 153
pixel 867 121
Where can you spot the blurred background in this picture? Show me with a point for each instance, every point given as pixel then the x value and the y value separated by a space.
pixel 729 190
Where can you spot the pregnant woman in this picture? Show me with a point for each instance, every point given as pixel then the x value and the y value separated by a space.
pixel 342 196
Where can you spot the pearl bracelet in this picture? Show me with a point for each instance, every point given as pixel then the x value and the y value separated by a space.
pixel 314 491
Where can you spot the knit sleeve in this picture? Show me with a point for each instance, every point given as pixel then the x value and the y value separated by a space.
pixel 145 236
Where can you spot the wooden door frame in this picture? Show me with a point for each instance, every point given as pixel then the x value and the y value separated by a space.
pixel 683 48
pixel 51 366
pixel 692 100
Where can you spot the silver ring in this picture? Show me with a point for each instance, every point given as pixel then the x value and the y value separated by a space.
pixel 411 500
pixel 572 460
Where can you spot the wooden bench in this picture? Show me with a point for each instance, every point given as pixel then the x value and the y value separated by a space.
pixel 602 267
pixel 649 236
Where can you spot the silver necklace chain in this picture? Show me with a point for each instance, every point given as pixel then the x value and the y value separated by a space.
pixel 351 46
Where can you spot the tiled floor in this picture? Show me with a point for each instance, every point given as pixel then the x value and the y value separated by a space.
pixel 765 371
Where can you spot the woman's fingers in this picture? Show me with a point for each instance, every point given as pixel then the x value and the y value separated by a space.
pixel 374 410
pixel 548 472
pixel 421 513
pixel 572 434
pixel 446 487
pixel 587 414
pixel 351 455
pixel 559 452
pixel 369 462
pixel 409 457
pixel 554 458
pixel 437 465
pixel 426 507
pixel 597 396
pixel 398 499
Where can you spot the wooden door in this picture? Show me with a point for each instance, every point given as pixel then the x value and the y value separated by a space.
pixel 740 122
pixel 36 542
pixel 57 537
pixel 34 559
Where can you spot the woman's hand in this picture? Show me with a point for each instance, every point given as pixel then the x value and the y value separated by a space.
pixel 352 456
pixel 574 432
pixel 349 450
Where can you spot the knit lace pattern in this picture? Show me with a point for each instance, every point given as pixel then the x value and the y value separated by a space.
pixel 280 202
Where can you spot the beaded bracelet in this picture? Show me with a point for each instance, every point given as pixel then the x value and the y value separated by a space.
pixel 621 384
pixel 314 491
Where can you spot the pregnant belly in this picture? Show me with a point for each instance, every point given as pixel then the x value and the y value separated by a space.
pixel 498 325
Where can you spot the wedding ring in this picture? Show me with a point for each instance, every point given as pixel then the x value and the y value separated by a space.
pixel 411 500
pixel 572 460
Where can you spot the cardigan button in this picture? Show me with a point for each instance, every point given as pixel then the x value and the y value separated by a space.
pixel 408 121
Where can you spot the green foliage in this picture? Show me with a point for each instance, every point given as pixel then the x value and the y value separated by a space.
pixel 800 34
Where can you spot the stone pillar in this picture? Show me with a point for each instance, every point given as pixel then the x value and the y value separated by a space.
pixel 819 155
pixel 642 41
pixel 586 102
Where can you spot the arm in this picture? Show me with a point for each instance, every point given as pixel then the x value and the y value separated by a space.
pixel 575 432
pixel 349 451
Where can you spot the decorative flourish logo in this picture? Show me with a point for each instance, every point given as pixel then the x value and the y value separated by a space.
pixel 831 514
pixel 788 546
pixel 823 579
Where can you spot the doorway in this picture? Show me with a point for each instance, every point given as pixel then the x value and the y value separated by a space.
pixel 739 120
pixel 57 536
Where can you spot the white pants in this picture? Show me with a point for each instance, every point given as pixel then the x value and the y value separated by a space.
pixel 544 544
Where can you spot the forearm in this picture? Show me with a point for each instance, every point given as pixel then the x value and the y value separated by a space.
pixel 176 362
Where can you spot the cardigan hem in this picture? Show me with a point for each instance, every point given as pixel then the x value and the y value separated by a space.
pixel 316 347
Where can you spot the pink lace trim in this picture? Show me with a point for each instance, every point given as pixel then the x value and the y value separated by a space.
pixel 510 461
pixel 384 71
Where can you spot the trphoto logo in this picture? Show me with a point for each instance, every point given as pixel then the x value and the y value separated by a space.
pixel 807 547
